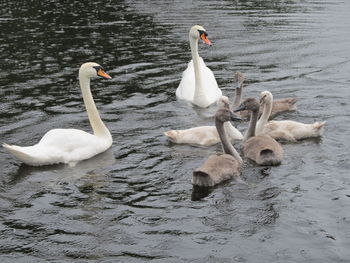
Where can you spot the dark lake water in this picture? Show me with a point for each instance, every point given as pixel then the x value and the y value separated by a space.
pixel 135 202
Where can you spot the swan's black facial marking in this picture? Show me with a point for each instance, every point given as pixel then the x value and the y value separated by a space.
pixel 202 32
pixel 204 36
pixel 101 72
pixel 97 68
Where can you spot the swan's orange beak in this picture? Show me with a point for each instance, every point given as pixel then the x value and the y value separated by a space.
pixel 103 74
pixel 206 39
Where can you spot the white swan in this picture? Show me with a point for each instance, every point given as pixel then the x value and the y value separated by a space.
pixel 205 135
pixel 70 145
pixel 286 129
pixel 198 84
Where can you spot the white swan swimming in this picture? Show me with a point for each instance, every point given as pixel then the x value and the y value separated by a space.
pixel 205 135
pixel 198 84
pixel 70 145
pixel 286 129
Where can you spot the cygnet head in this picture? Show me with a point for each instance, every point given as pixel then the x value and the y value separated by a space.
pixel 223 102
pixel 265 97
pixel 198 32
pixel 92 70
pixel 250 104
pixel 239 77
pixel 224 115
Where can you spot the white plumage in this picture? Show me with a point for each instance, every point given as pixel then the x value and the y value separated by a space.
pixel 286 129
pixel 205 135
pixel 70 145
pixel 198 84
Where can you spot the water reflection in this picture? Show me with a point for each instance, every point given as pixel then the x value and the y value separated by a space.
pixel 63 172
pixel 199 192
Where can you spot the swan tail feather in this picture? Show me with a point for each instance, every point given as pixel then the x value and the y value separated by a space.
pixel 18 152
pixel 172 135
pixel 269 157
pixel 292 102
pixel 201 178
pixel 319 126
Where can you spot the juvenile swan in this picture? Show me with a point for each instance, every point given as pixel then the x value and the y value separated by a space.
pixel 278 106
pixel 70 145
pixel 205 135
pixel 198 84
pixel 286 129
pixel 219 168
pixel 262 149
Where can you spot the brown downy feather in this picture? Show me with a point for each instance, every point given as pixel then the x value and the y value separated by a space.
pixel 283 105
pixel 264 150
pixel 278 106
pixel 208 174
pixel 218 168
pixel 261 149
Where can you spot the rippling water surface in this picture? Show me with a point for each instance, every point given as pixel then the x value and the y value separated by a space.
pixel 135 202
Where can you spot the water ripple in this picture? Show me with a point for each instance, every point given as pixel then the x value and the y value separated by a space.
pixel 135 202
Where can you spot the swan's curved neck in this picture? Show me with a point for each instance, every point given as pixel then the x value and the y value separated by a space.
pixel 94 117
pixel 252 124
pixel 238 95
pixel 198 92
pixel 267 108
pixel 226 145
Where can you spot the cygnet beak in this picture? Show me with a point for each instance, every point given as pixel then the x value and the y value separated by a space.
pixel 240 108
pixel 234 117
